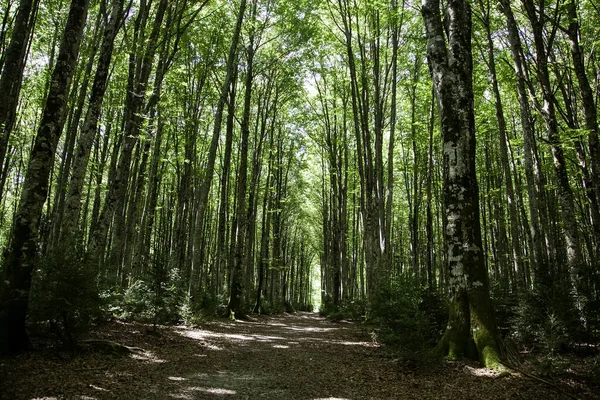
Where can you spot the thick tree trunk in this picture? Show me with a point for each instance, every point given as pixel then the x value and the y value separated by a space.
pixel 20 257
pixel 451 70
pixel 12 72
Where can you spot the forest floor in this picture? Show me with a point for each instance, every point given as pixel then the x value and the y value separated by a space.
pixel 290 356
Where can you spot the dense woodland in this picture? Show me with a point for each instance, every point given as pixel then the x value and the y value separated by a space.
pixel 431 166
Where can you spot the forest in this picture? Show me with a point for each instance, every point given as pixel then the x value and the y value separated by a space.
pixel 429 169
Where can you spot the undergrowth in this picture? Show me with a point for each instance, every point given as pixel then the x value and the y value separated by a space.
pixel 404 315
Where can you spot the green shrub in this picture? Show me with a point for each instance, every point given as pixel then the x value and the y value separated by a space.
pixel 210 304
pixel 327 307
pixel 550 323
pixel 136 302
pixel 351 310
pixel 397 318
pixel 409 316
pixel 64 296
pixel 268 308
pixel 157 301
pixel 189 314
pixel 306 307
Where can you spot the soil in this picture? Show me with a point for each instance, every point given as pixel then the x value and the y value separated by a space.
pixel 290 356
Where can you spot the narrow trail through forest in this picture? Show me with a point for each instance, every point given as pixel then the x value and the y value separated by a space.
pixel 291 356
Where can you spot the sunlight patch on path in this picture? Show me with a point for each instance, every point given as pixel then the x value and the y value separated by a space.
pixel 202 334
pixel 148 356
pixel 363 344
pixel 485 372
pixel 311 329
pixel 190 393
pixel 213 390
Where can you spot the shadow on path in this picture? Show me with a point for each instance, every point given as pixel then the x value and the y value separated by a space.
pixel 291 356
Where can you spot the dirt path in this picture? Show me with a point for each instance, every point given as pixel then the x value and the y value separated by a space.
pixel 300 356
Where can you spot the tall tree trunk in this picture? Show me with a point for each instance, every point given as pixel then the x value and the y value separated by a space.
pixel 72 127
pixel 591 121
pixel 451 70
pixel 90 124
pixel 239 238
pixel 20 256
pixel 507 180
pixel 204 190
pixel 567 204
pixel 263 258
pixel 222 264
pixel 431 264
pixel 12 72
pixel 533 170
pixel 115 202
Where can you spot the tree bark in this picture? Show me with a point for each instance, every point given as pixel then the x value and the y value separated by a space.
pixel 239 238
pixel 533 169
pixel 205 185
pixel 591 122
pixel 451 70
pixel 90 124
pixel 12 72
pixel 115 202
pixel 567 204
pixel 20 256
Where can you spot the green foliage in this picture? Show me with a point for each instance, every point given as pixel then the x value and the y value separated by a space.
pixel 305 307
pixel 550 365
pixel 272 307
pixel 158 302
pixel 132 303
pixel 210 304
pixel 403 315
pixel 409 316
pixel 549 324
pixel 593 363
pixel 351 310
pixel 190 315
pixel 64 296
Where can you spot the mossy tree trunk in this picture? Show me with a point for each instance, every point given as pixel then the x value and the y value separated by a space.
pixel 21 254
pixel 449 52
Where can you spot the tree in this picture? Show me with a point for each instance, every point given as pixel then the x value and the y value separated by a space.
pixel 12 75
pixel 20 257
pixel 88 131
pixel 591 121
pixel 450 61
pixel 548 111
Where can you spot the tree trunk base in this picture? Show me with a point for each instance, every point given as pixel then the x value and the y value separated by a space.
pixel 13 335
